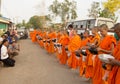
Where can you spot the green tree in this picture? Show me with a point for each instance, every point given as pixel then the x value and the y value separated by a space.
pixel 28 25
pixel 54 8
pixel 112 5
pixel 66 10
pixel 35 22
pixel 107 14
pixel 94 10
pixel 23 23
pixel 38 21
pixel 19 25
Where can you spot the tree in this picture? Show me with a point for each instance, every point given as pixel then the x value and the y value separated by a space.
pixel 23 23
pixel 54 8
pixel 112 5
pixel 35 22
pixel 94 10
pixel 38 21
pixel 19 25
pixel 28 25
pixel 107 14
pixel 65 10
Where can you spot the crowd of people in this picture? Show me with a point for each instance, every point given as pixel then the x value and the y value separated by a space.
pixel 83 53
pixel 9 48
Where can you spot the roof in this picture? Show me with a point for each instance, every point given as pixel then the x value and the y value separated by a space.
pixel 5 20
pixel 100 18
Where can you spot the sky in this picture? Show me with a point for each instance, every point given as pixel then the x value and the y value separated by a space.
pixel 17 10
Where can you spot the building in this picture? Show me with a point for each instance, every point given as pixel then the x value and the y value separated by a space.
pixel 5 23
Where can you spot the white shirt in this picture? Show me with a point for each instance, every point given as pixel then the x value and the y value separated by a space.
pixel 1 39
pixel 4 52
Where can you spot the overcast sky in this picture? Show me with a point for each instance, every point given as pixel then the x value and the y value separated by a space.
pixel 18 10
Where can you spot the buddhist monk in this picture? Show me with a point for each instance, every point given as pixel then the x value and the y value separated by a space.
pixel 114 76
pixel 64 41
pixel 44 38
pixel 74 44
pixel 84 43
pixel 58 35
pixel 40 38
pixel 59 40
pixel 47 44
pixel 89 61
pixel 34 36
pixel 52 35
pixel 106 46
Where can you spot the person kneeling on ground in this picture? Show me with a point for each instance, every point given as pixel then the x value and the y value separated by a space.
pixel 4 54
pixel 13 49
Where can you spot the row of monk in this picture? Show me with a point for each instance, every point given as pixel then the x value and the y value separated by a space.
pixel 83 53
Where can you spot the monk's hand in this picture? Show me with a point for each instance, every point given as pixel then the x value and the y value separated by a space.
pixel 88 44
pixel 99 49
pixel 112 61
pixel 83 48
pixel 93 46
pixel 66 46
pixel 78 51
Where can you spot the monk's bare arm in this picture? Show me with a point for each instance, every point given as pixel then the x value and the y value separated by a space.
pixel 118 63
pixel 114 62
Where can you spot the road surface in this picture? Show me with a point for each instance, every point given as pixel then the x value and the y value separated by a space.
pixel 35 66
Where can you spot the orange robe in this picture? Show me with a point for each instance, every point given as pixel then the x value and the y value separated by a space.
pixel 44 38
pixel 46 43
pixel 89 61
pixel 31 34
pixel 114 77
pixel 83 63
pixel 58 35
pixel 59 38
pixel 41 41
pixel 98 71
pixel 64 41
pixel 51 46
pixel 74 44
pixel 34 39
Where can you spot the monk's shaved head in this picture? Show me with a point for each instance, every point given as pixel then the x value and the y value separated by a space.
pixel 117 27
pixel 104 27
pixel 86 31
pixel 96 28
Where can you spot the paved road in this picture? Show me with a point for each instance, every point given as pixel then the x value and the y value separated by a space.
pixel 35 66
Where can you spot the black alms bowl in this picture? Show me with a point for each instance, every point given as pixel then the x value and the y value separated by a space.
pixel 54 40
pixel 66 49
pixel 93 51
pixel 77 54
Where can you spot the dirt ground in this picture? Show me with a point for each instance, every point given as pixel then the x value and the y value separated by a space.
pixel 35 66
